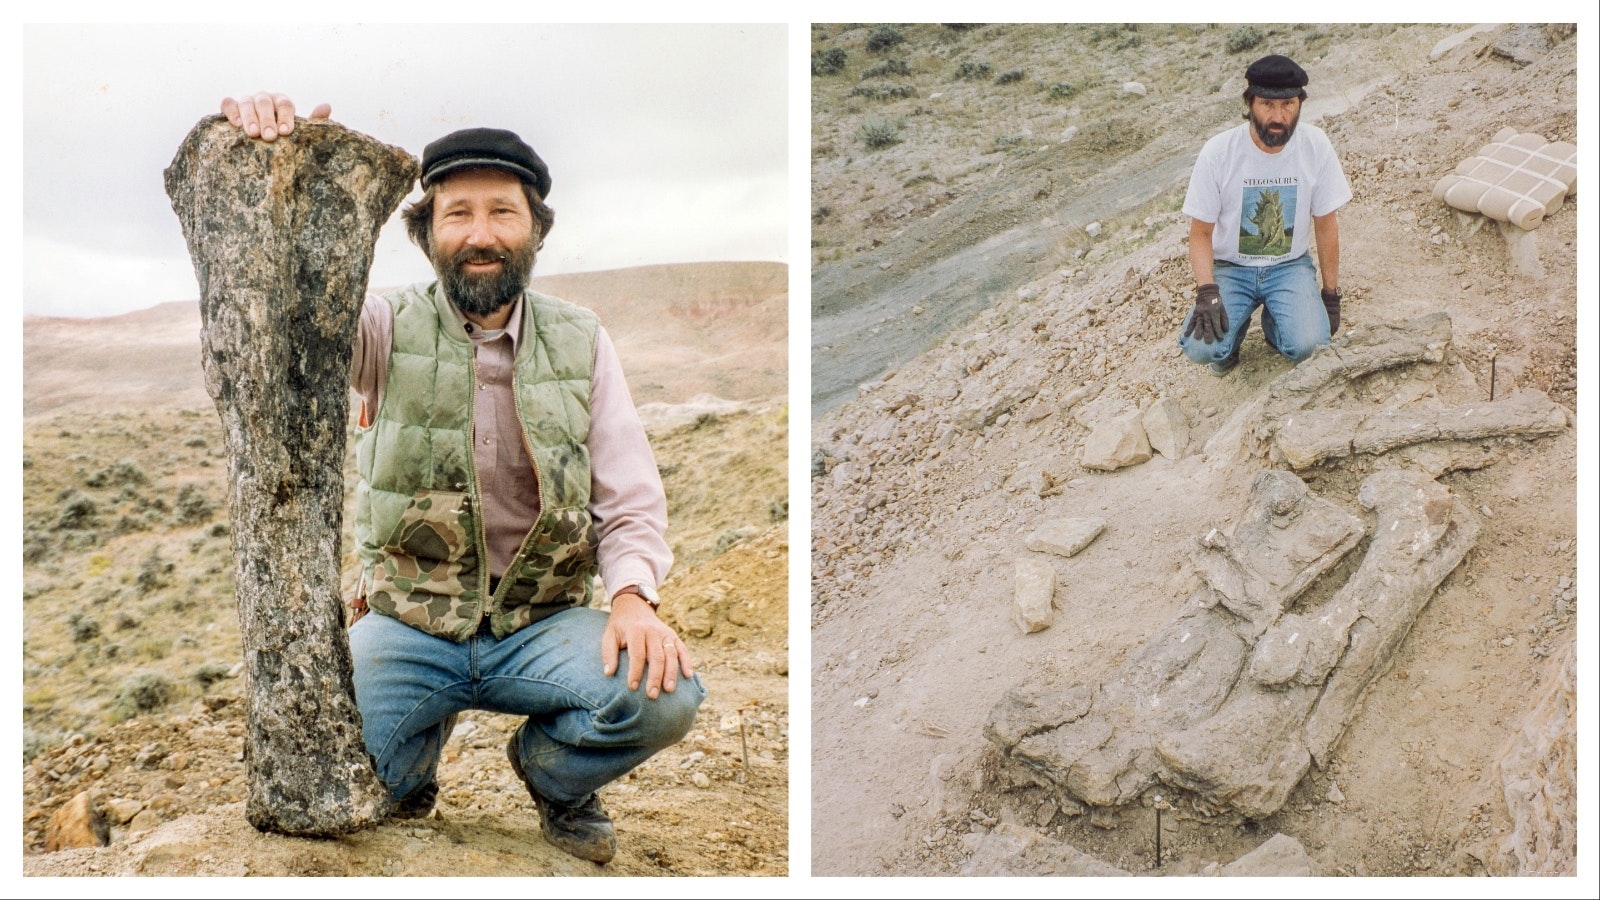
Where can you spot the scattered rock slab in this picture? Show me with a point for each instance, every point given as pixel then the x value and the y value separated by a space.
pixel 1065 537
pixel 1167 428
pixel 1116 443
pixel 80 823
pixel 1281 856
pixel 1036 588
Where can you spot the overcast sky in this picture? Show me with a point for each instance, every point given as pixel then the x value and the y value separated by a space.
pixel 666 143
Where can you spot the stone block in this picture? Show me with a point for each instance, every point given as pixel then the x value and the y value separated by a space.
pixel 1117 443
pixel 1035 589
pixel 1065 537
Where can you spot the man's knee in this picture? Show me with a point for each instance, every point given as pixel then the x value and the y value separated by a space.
pixel 1201 352
pixel 1300 351
pixel 657 723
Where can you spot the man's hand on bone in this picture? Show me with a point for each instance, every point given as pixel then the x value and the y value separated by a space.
pixel 266 115
pixel 651 644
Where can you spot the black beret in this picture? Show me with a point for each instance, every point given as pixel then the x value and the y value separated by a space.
pixel 473 148
pixel 1275 77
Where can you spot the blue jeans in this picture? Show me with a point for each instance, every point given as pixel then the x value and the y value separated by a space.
pixel 584 730
pixel 1292 319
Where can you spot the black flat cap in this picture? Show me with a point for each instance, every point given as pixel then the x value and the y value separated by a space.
pixel 476 148
pixel 1275 77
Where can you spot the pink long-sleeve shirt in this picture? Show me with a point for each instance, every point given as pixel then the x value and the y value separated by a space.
pixel 626 499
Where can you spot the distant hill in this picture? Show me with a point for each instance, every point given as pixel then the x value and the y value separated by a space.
pixel 681 330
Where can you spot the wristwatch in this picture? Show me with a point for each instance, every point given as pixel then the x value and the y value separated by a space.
pixel 644 592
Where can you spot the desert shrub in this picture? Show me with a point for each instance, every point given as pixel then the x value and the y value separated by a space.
pixel 819 463
pixel 36 544
pixel 883 91
pixel 210 673
pixel 962 26
pixel 1061 90
pixel 727 539
pixel 883 37
pixel 193 507
pixel 153 573
pixel 878 132
pixel 971 70
pixel 828 62
pixel 126 621
pixel 1243 38
pixel 36 742
pixel 778 510
pixel 126 472
pixel 886 68
pixel 1009 141
pixel 84 627
pixel 142 693
pixel 78 512
pixel 1011 77
pixel 821 214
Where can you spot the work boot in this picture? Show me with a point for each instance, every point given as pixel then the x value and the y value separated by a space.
pixel 582 829
pixel 417 804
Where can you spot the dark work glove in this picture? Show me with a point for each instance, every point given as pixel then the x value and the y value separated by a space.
pixel 1330 302
pixel 1210 321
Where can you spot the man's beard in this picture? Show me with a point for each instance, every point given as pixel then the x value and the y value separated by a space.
pixel 484 294
pixel 1274 138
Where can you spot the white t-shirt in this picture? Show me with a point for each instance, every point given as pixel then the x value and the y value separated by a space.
pixel 1262 203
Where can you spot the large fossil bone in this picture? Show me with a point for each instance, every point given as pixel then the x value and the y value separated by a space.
pixel 282 237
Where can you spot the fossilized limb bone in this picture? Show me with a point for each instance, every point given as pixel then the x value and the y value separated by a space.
pixel 1237 697
pixel 1420 535
pixel 1362 352
pixel 1314 435
pixel 282 236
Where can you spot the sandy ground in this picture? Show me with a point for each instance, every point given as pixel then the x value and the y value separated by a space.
pixel 917 519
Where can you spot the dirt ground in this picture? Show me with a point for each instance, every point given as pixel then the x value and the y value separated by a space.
pixel 132 679
pixel 917 517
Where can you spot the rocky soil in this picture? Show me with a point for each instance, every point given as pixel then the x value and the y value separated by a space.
pixel 133 699
pixel 1007 280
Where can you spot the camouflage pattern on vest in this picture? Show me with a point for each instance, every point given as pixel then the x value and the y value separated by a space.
pixel 421 543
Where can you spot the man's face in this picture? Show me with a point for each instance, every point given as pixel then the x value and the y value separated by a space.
pixel 1274 120
pixel 483 241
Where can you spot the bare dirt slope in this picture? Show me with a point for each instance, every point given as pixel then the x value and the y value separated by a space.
pixel 131 653
pixel 927 480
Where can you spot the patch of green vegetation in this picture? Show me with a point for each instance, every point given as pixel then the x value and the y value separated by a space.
pixel 883 37
pixel 886 68
pixel 877 132
pixel 1011 77
pixel 1243 38
pixel 972 70
pixel 828 62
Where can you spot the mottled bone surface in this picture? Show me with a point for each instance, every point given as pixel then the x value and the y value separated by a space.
pixel 282 236
pixel 1235 699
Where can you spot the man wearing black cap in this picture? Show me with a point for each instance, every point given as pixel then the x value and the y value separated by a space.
pixel 1258 193
pixel 502 467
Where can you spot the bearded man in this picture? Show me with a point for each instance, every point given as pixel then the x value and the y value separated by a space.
pixel 1269 184
pixel 502 467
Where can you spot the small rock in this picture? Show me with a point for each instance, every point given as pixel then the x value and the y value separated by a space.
pixel 896 810
pixel 1134 87
pixel 1167 428
pixel 80 823
pixel 1093 229
pixel 1116 443
pixel 1035 588
pixel 1065 537
pixel 700 779
pixel 1334 794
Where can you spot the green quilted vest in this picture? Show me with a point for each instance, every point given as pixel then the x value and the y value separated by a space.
pixel 421 543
